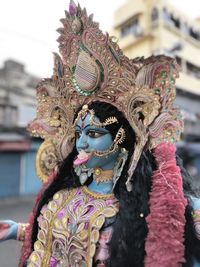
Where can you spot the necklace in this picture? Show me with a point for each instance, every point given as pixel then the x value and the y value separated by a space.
pixel 101 176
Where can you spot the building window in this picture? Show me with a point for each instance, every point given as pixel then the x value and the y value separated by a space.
pixel 154 14
pixel 179 60
pixel 175 21
pixel 166 16
pixel 171 20
pixel 10 116
pixel 130 28
pixel 2 111
pixel 194 34
pixel 13 115
pixel 193 70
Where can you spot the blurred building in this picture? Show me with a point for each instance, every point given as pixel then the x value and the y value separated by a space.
pixel 17 149
pixel 155 27
pixel 17 165
pixel 17 95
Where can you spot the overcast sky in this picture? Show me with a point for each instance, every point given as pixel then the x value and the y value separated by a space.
pixel 28 27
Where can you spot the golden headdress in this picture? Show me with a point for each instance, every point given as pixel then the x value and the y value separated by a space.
pixel 92 67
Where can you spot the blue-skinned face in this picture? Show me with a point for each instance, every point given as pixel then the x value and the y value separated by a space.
pixel 90 138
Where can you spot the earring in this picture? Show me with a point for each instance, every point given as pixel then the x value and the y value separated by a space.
pixel 119 139
pixel 83 173
pixel 118 168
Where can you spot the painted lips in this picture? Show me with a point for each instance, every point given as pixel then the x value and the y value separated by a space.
pixel 82 158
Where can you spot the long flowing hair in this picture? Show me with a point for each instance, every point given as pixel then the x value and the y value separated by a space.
pixel 130 228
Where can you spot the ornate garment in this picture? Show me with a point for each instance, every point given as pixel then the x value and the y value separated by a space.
pixel 69 229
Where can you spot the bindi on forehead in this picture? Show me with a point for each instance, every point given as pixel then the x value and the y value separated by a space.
pixel 84 121
pixel 82 125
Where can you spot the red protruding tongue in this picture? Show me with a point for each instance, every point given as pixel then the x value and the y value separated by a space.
pixel 82 158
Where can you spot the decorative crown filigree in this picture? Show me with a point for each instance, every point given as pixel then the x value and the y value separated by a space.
pixel 92 67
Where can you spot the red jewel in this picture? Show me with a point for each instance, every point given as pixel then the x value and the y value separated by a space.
pixel 82 125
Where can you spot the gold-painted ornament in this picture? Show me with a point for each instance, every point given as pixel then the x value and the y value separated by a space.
pixel 73 243
pixel 101 176
pixel 91 67
pixel 46 160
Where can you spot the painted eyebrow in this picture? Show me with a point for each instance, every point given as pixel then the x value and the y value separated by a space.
pixel 88 125
pixel 84 127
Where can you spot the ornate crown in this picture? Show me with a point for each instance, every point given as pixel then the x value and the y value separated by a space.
pixel 92 67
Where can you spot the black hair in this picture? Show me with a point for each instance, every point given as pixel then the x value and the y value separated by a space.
pixel 130 228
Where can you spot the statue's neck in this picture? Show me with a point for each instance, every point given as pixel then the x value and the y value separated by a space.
pixel 102 181
pixel 101 188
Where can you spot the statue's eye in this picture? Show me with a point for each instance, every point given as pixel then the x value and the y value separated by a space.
pixel 94 134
